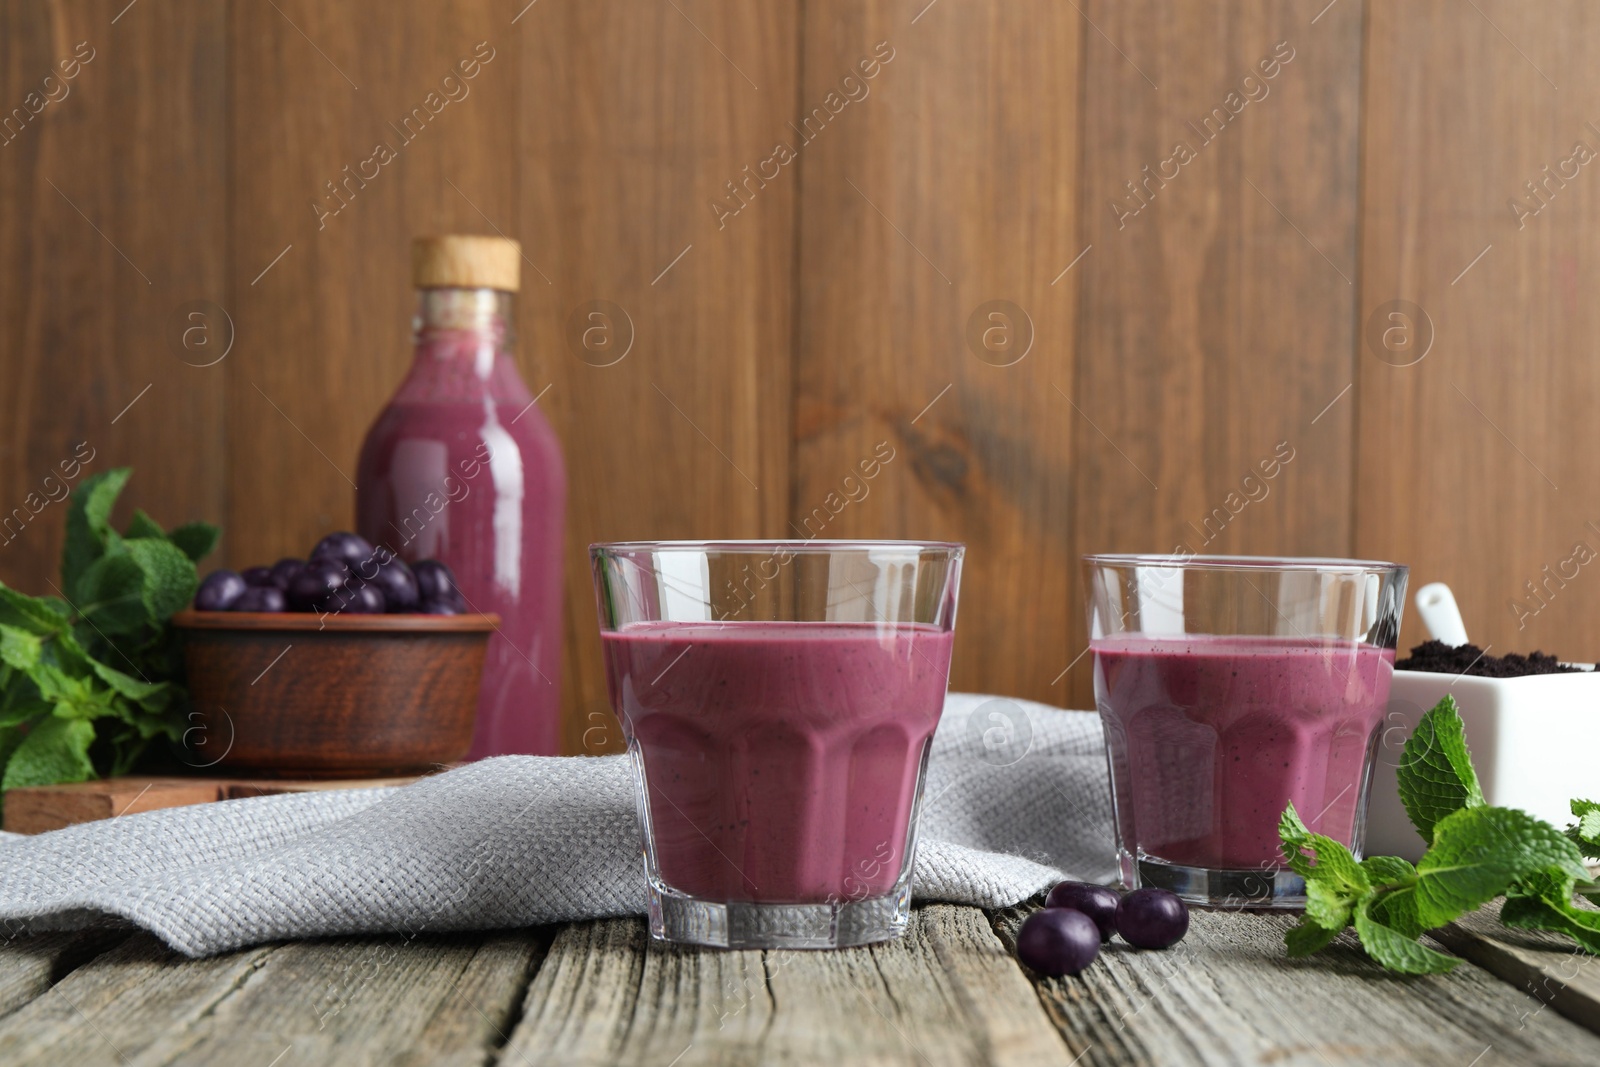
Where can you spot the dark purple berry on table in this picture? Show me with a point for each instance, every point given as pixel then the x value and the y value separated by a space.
pixel 1058 941
pixel 398 584
pixel 262 598
pixel 254 576
pixel 319 580
pixel 219 591
pixel 1152 918
pixel 1096 901
pixel 439 607
pixel 346 547
pixel 435 582
pixel 284 570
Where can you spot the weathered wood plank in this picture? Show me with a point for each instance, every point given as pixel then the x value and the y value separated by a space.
pixel 37 809
pixel 359 127
pixel 388 1000
pixel 378 1000
pixel 1218 296
pixel 664 338
pixel 1547 966
pixel 122 1003
pixel 114 216
pixel 935 323
pixel 947 993
pixel 31 964
pixel 1227 994
pixel 1480 456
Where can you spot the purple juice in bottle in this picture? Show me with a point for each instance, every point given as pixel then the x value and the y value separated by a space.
pixel 461 466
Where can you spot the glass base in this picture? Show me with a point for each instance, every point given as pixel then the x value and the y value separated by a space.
pixel 1262 887
pixel 743 924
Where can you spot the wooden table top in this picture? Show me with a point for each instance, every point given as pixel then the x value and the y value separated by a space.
pixel 948 993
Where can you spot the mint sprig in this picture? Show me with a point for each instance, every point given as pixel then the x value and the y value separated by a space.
pixel 88 678
pixel 1476 853
pixel 1436 773
pixel 1585 833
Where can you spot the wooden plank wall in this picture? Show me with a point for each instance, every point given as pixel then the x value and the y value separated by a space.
pixel 1010 249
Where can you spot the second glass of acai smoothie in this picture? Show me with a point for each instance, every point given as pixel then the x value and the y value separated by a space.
pixel 1230 687
pixel 779 699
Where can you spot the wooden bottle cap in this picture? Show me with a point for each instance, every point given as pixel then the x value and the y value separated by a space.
pixel 466 261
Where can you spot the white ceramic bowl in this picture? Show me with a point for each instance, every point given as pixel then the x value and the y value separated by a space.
pixel 1533 741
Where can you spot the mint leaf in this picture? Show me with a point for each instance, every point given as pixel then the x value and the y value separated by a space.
pixel 196 539
pixel 101 652
pixel 1435 772
pixel 1389 870
pixel 1534 913
pixel 1586 832
pixel 22 710
pixel 1334 863
pixel 36 615
pixel 111 595
pixel 78 698
pixel 19 649
pixel 10 738
pixel 89 524
pixel 169 576
pixel 56 750
pixel 1398 909
pixel 1308 937
pixel 65 652
pixel 56 684
pixel 125 684
pixel 1395 950
pixel 1329 904
pixel 143 525
pixel 1589 827
pixel 1294 838
pixel 141 582
pixel 1543 901
pixel 1478 852
pixel 1333 884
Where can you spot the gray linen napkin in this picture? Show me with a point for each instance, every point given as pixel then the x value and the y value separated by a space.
pixel 1016 798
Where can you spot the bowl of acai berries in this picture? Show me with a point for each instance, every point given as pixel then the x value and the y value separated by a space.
pixel 1532 724
pixel 348 663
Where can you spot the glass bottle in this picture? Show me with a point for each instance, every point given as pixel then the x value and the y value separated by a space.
pixel 462 467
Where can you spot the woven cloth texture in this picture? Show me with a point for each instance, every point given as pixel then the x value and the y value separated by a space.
pixel 1016 799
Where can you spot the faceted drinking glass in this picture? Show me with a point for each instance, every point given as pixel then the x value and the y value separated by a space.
pixel 1230 687
pixel 778 699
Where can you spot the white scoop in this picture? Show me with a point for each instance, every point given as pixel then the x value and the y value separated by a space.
pixel 1437 605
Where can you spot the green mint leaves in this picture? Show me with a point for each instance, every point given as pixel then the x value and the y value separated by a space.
pixel 88 677
pixel 1377 895
pixel 1585 833
pixel 1476 853
pixel 1436 774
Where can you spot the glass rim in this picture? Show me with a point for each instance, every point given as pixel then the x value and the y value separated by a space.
pixel 1171 561
pixel 754 545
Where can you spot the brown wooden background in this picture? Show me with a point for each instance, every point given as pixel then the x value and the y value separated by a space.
pixel 1172 349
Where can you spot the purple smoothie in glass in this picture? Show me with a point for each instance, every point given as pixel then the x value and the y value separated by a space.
pixel 1209 738
pixel 781 759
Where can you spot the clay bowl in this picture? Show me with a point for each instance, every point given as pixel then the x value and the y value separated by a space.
pixel 331 697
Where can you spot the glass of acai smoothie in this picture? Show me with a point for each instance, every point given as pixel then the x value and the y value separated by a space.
pixel 778 698
pixel 1230 687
